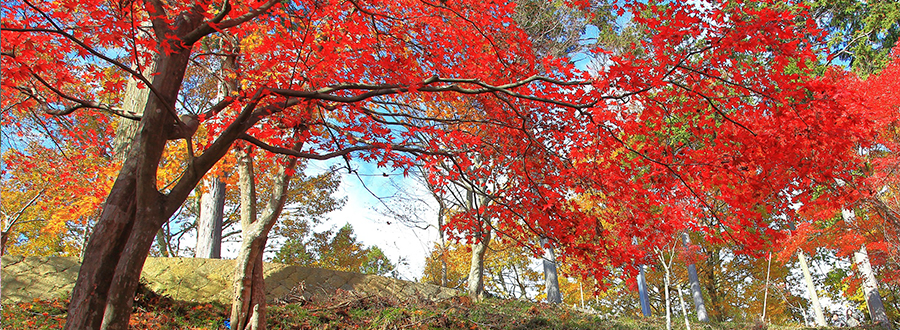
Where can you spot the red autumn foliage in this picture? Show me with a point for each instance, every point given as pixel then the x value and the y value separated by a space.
pixel 716 122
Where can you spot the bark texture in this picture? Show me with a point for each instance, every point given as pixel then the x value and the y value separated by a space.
pixel 135 209
pixel 870 287
pixel 479 249
pixel 811 290
pixel 248 309
pixel 135 98
pixel 551 279
pixel 694 280
pixel 133 213
pixel 642 292
pixel 209 223
pixel 476 269
pixel 870 284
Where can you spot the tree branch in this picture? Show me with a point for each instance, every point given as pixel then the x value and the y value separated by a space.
pixel 207 27
pixel 21 211
pixel 81 104
pixel 452 85
pixel 339 153
pixel 714 106
pixel 249 15
pixel 60 31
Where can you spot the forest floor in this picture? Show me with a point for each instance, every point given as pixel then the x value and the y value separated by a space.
pixel 346 310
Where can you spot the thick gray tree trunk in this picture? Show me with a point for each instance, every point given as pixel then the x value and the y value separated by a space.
pixel 694 281
pixel 133 102
pixel 212 201
pixel 870 283
pixel 642 292
pixel 476 268
pixel 551 278
pixel 870 288
pixel 209 223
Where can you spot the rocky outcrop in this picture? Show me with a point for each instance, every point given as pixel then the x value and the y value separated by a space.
pixel 201 280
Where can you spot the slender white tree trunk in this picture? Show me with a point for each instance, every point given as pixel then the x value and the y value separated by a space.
pixel 766 294
pixel 687 323
pixel 811 289
pixel 479 249
pixel 476 267
pixel 668 304
pixel 667 268
pixel 581 291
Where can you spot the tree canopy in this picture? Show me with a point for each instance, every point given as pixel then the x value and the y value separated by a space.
pixel 716 120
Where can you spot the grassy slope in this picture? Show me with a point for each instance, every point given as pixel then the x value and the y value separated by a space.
pixel 345 310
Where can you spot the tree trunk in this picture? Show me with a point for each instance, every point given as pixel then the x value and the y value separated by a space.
pixel 870 288
pixel 4 236
pixel 476 268
pixel 668 304
pixel 248 307
pixel 209 224
pixel 133 102
pixel 811 289
pixel 687 323
pixel 441 210
pixel 551 279
pixel 479 249
pixel 642 292
pixel 766 293
pixel 212 202
pixel 134 210
pixel 713 262
pixel 246 278
pixel 162 243
pixel 694 280
pixel 870 283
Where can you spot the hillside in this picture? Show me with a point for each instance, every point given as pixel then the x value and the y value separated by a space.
pixel 186 293
pixel 199 280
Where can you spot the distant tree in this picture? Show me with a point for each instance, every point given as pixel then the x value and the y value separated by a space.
pixel 860 33
pixel 511 271
pixel 330 249
pixel 52 192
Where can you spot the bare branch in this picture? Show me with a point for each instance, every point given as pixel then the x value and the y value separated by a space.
pixel 80 104
pixel 339 153
pixel 21 211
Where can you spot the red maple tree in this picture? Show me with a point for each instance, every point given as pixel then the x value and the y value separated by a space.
pixel 715 122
